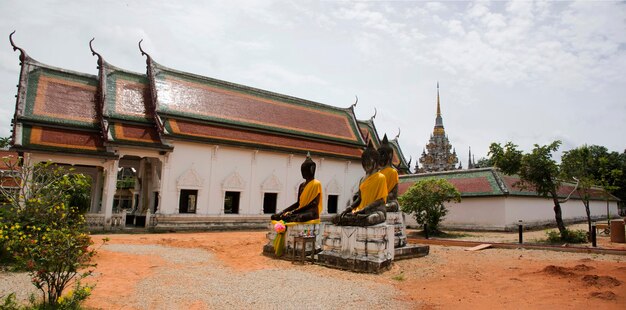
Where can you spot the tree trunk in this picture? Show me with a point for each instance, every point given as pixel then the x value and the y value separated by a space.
pixel 586 203
pixel 558 215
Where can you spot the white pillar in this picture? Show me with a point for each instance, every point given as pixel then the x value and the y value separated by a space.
pixel 108 192
pixel 96 192
pixel 164 192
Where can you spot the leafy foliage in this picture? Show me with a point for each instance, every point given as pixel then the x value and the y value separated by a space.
pixel 425 200
pixel 5 141
pixel 43 232
pixel 571 236
pixel 507 158
pixel 484 162
pixel 536 169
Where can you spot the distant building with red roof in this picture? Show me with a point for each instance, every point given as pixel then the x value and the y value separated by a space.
pixel 491 200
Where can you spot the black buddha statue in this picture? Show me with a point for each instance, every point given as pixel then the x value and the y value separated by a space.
pixel 309 204
pixel 369 206
pixel 391 174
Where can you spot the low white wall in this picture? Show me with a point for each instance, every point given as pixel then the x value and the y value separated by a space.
pixel 503 213
pixel 535 211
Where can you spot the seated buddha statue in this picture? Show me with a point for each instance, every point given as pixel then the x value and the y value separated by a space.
pixel 309 204
pixel 391 174
pixel 369 206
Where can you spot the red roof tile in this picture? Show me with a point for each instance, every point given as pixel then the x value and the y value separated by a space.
pixel 213 132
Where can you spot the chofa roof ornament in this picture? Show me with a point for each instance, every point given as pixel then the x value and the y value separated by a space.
pixel 355 102
pixel 94 53
pixel 143 53
pixel 23 55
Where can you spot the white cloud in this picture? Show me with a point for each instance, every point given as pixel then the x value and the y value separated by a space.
pixel 507 69
pixel 272 76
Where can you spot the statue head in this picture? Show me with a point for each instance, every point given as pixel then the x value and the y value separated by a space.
pixel 370 158
pixel 386 153
pixel 308 168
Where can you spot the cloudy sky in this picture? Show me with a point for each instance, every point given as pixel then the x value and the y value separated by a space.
pixel 528 72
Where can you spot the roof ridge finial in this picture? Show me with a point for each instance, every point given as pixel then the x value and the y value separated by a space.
pixel 355 102
pixel 23 54
pixel 374 116
pixel 94 53
pixel 398 135
pixel 143 53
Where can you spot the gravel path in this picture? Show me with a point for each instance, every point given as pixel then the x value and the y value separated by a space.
pixel 198 276
pixel 18 283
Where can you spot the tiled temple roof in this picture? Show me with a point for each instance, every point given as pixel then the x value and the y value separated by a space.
pixel 56 110
pixel 190 105
pixel 127 112
pixel 369 132
pixel 61 110
pixel 490 182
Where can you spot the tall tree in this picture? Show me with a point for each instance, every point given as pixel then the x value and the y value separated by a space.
pixel 579 165
pixel 536 170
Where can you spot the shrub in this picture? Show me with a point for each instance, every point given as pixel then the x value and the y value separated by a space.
pixel 569 236
pixel 425 200
pixel 46 236
pixel 10 303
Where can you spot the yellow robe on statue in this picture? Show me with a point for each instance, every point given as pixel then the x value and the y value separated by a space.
pixel 391 174
pixel 310 191
pixel 372 189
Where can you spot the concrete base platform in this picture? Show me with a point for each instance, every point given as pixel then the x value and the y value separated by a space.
pixel 353 264
pixel 411 251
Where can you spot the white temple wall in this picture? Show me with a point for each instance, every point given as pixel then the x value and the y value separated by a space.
pixel 214 170
pixel 187 167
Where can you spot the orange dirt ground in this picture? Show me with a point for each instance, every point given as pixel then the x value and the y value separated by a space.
pixel 448 278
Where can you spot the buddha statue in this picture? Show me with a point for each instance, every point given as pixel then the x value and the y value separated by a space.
pixel 369 206
pixel 385 167
pixel 309 204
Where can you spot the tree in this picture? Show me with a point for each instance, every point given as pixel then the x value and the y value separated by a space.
pixel 5 141
pixel 425 199
pixel 45 234
pixel 536 170
pixel 484 162
pixel 611 172
pixel 578 165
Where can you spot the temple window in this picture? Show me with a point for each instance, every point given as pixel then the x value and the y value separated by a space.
pixel 231 203
pixel 332 203
pixel 188 199
pixel 269 203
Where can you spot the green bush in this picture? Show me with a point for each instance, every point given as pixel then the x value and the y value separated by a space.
pixel 10 303
pixel 570 236
pixel 45 235
pixel 425 200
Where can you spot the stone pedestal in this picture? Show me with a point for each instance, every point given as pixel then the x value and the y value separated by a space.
pixel 294 231
pixel 396 219
pixel 402 250
pixel 361 249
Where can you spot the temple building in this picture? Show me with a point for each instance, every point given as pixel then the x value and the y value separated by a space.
pixel 437 156
pixel 168 149
pixel 369 132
